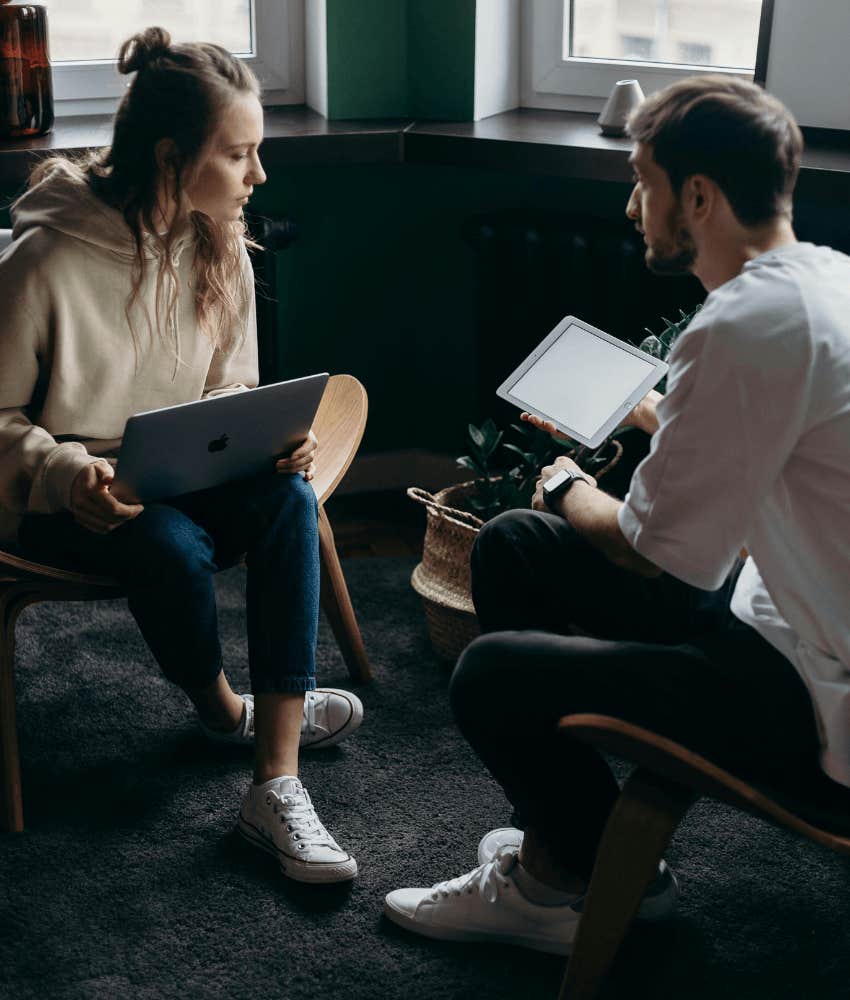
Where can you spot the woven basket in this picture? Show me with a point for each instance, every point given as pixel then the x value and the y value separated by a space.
pixel 442 578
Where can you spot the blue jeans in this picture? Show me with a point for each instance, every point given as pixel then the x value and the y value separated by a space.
pixel 166 558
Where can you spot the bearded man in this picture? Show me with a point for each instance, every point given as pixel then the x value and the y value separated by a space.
pixel 644 609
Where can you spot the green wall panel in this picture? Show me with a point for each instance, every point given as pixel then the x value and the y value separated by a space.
pixel 441 58
pixel 367 58
pixel 401 58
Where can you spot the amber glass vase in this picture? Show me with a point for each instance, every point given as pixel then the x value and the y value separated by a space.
pixel 26 88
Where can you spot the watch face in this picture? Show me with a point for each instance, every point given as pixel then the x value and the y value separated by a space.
pixel 557 482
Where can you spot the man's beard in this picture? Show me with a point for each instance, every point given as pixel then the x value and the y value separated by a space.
pixel 678 253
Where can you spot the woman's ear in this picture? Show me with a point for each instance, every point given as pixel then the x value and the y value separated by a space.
pixel 165 154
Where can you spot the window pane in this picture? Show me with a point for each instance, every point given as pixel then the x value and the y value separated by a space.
pixel 694 32
pixel 95 29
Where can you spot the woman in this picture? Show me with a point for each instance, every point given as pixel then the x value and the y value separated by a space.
pixel 128 288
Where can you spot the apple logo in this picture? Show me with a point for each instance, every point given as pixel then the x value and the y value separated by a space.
pixel 218 444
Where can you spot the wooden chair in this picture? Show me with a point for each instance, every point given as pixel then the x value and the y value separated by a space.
pixel 667 781
pixel 339 426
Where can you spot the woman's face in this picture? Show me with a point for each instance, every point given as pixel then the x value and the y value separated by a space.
pixel 230 167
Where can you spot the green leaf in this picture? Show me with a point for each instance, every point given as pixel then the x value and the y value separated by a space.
pixel 514 450
pixel 493 443
pixel 475 435
pixel 465 462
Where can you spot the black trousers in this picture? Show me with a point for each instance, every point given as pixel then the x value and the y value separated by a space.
pixel 567 631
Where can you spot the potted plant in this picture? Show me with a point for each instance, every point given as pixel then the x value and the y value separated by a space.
pixel 506 464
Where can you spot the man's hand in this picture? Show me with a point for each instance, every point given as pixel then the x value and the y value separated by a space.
pixel 544 425
pixel 301 460
pixel 643 415
pixel 93 506
pixel 561 462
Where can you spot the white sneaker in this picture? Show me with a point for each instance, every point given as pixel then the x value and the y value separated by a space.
pixel 330 714
pixel 279 817
pixel 659 900
pixel 485 905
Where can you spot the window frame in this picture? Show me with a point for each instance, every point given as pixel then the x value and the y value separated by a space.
pixel 96 86
pixel 579 84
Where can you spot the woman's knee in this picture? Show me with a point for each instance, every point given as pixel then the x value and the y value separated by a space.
pixel 287 498
pixel 162 544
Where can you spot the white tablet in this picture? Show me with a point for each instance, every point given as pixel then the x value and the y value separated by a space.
pixel 583 380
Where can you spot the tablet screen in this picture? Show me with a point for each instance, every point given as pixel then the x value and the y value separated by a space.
pixel 581 380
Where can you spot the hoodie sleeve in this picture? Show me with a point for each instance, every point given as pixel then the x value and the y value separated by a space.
pixel 36 471
pixel 237 369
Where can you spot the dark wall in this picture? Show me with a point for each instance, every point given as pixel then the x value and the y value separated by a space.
pixel 387 279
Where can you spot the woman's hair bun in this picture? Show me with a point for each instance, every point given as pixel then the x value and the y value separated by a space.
pixel 140 50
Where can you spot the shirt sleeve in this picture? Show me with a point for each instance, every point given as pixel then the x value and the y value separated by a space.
pixel 237 369
pixel 736 404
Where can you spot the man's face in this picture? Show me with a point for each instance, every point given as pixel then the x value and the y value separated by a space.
pixel 657 213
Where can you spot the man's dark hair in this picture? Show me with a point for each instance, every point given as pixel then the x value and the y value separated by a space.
pixel 730 130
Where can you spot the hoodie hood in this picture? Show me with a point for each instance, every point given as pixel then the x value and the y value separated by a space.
pixel 64 201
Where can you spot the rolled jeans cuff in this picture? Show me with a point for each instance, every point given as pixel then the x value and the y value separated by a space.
pixel 285 685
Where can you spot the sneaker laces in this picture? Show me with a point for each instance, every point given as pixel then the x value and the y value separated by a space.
pixel 488 878
pixel 302 820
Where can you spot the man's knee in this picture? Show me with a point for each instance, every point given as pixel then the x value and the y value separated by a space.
pixel 483 679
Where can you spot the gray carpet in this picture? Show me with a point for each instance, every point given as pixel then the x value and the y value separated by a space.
pixel 129 881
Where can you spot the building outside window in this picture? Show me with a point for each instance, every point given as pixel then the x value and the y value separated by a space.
pixel 722 33
pixel 83 30
pixel 578 49
pixel 85 36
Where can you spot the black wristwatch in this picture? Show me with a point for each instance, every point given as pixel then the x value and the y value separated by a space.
pixel 557 485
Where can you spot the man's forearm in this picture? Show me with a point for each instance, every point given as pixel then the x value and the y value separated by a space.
pixel 593 514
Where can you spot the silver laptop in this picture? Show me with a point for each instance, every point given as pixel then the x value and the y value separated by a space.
pixel 180 449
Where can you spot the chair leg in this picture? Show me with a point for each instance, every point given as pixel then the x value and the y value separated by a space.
pixel 640 827
pixel 11 807
pixel 337 605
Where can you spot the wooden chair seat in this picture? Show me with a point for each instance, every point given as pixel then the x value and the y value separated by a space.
pixel 339 426
pixel 667 781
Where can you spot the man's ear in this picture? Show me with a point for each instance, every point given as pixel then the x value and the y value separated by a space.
pixel 700 192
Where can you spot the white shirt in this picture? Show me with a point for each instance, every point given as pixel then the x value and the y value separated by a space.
pixel 753 451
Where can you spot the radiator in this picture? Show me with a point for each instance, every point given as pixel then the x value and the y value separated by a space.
pixel 531 271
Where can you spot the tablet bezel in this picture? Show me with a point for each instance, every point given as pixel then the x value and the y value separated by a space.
pixel 659 370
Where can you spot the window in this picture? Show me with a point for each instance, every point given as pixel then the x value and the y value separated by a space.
pixel 580 48
pixel 85 36
pixel 696 54
pixel 636 47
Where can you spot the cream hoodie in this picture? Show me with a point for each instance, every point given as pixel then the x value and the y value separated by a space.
pixel 69 374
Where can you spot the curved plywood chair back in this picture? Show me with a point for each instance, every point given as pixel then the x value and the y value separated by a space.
pixel 823 815
pixel 339 425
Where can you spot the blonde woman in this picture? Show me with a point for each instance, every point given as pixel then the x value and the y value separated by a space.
pixel 127 288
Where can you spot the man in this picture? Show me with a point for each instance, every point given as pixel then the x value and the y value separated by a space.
pixel 642 609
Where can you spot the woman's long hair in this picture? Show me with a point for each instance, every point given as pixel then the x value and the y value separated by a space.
pixel 179 94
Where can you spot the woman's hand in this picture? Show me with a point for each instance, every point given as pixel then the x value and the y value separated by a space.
pixel 301 460
pixel 93 506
